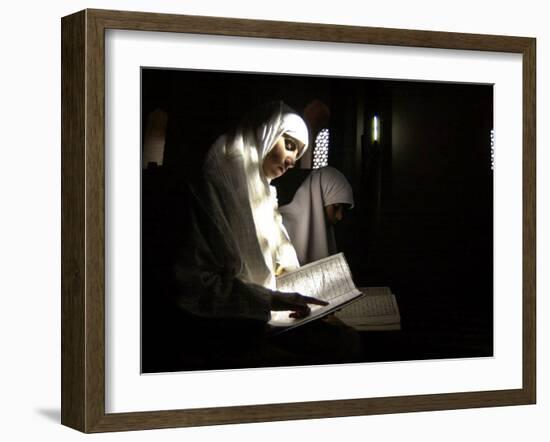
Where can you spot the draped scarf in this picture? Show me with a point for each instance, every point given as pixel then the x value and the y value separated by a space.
pixel 247 214
pixel 304 217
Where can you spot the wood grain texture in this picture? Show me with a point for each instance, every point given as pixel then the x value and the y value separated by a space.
pixel 95 221
pixel 529 220
pixel 307 410
pixel 73 252
pixel 83 220
pixel 306 31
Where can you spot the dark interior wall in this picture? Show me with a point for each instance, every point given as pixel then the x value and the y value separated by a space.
pixel 423 221
pixel 427 216
pixel 435 220
pixel 442 181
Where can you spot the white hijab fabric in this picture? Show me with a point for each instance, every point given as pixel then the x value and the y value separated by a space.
pixel 304 217
pixel 234 166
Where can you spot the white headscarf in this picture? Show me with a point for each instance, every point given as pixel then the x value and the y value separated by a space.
pixel 234 165
pixel 304 217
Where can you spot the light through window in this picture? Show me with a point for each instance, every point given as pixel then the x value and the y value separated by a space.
pixel 492 149
pixel 320 150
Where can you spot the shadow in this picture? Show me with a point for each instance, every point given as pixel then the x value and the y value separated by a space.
pixel 52 414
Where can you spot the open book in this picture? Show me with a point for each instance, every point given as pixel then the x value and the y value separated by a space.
pixel 377 310
pixel 328 279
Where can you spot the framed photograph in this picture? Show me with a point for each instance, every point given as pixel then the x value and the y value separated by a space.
pixel 208 161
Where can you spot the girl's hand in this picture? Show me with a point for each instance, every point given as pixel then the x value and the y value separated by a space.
pixel 296 302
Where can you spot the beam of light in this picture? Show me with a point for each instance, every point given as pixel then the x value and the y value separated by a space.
pixel 375 128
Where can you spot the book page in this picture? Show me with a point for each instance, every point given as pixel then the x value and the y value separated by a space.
pixel 372 309
pixel 328 279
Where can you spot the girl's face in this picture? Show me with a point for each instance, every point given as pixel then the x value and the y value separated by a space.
pixel 335 213
pixel 281 157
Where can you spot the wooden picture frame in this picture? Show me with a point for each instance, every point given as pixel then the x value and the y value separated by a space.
pixel 83 220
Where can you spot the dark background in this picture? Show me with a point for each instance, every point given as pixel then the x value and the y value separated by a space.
pixel 423 219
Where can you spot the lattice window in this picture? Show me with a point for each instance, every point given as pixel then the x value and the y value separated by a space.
pixel 492 149
pixel 320 150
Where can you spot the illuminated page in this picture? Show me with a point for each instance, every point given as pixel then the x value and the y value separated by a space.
pixel 328 279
